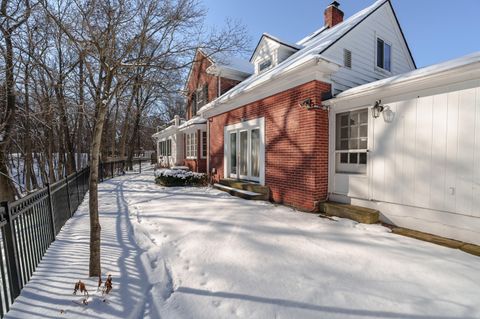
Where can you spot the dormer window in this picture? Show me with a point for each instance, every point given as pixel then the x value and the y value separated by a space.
pixel 262 66
pixel 384 55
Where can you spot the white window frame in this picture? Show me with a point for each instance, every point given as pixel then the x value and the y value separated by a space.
pixel 191 145
pixel 351 168
pixel 378 68
pixel 263 61
pixel 258 123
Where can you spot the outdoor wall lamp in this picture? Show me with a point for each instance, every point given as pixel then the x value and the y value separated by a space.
pixel 308 104
pixel 377 109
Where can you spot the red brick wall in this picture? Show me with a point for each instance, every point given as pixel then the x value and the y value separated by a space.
pixel 199 77
pixel 296 151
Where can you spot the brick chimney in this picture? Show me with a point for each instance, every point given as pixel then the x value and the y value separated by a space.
pixel 333 15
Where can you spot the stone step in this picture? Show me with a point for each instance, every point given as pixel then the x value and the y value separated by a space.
pixel 359 214
pixel 248 186
pixel 245 194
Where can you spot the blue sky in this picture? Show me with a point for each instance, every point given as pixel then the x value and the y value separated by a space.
pixel 436 30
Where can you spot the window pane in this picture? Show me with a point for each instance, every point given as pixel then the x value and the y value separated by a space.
pixel 264 65
pixel 363 158
pixel 255 159
pixel 233 153
pixel 363 144
pixel 344 145
pixel 353 158
pixel 344 158
pixel 363 131
pixel 195 144
pixel 353 119
pixel 353 144
pixel 364 117
pixel 243 153
pixel 344 132
pixel 204 144
pixel 354 131
pixel 387 57
pixel 344 120
pixel 380 53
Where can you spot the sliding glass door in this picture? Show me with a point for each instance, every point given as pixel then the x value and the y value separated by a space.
pixel 244 158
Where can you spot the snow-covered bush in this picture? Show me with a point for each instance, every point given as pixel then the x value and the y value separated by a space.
pixel 178 177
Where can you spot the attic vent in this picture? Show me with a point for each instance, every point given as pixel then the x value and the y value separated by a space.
pixel 347 58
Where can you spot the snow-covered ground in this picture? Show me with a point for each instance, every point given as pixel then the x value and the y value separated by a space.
pixel 200 253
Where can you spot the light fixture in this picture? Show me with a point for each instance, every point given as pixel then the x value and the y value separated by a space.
pixel 377 109
pixel 388 114
pixel 308 104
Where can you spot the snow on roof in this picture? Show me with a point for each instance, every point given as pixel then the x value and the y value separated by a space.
pixel 171 129
pixel 468 60
pixel 311 36
pixel 313 47
pixel 194 121
pixel 226 60
pixel 278 40
pixel 293 45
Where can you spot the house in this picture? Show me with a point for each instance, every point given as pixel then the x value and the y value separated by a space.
pixel 343 115
pixel 271 128
pixel 184 142
pixel 421 129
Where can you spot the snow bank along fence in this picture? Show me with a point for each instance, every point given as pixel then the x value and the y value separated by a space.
pixel 28 226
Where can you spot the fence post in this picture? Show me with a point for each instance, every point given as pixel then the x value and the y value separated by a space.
pixel 50 207
pixel 11 254
pixel 140 163
pixel 68 196
pixel 111 168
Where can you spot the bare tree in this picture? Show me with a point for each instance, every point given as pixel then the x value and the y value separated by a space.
pixel 13 15
pixel 77 71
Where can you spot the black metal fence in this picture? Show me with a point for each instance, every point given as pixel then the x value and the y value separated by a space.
pixel 28 226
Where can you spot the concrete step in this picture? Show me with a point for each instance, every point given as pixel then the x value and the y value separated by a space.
pixel 359 214
pixel 247 186
pixel 239 192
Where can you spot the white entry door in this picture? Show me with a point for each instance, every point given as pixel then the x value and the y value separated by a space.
pixel 245 151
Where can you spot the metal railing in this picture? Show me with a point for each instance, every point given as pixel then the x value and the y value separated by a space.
pixel 29 225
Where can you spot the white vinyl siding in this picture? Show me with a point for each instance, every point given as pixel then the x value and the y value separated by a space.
pixel 361 41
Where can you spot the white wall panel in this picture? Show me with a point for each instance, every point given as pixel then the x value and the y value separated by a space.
pixel 476 160
pixel 423 151
pixel 466 149
pixel 451 152
pixel 439 147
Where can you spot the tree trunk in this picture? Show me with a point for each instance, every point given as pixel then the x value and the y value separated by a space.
pixel 95 228
pixel 81 102
pixel 7 190
pixel 126 121
pixel 131 144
